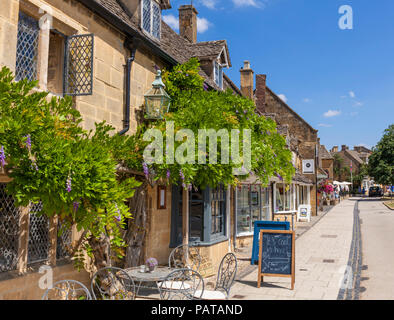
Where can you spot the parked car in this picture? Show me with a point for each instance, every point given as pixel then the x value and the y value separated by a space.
pixel 376 192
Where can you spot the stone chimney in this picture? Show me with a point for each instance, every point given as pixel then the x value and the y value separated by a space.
pixel 344 147
pixel 260 92
pixel 334 149
pixel 188 22
pixel 247 83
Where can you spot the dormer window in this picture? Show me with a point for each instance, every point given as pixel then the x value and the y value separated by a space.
pixel 218 74
pixel 151 18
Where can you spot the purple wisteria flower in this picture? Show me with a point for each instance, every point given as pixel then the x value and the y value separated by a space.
pixel 2 157
pixel 269 133
pixel 181 174
pixel 28 142
pixel 279 176
pixel 119 216
pixel 34 166
pixel 205 87
pixel 190 187
pixel 245 111
pixel 156 67
pixel 68 183
pixel 168 174
pixel 146 169
pixel 75 206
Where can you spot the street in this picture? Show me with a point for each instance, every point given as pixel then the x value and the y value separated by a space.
pixel 377 226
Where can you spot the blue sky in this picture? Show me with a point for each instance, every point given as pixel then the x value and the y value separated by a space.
pixel 340 81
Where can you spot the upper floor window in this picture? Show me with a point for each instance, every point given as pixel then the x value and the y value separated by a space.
pixel 218 74
pixel 68 59
pixel 151 18
pixel 27 48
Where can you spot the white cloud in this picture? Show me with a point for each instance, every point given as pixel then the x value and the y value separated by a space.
pixel 211 4
pixel 325 125
pixel 172 21
pixel 203 25
pixel 282 97
pixel 307 100
pixel 332 113
pixel 247 3
pixel 358 104
pixel 352 94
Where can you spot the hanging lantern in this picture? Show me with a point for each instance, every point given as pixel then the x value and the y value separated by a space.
pixel 157 101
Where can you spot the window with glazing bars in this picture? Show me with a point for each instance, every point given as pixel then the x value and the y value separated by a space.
pixel 63 241
pixel 218 210
pixel 27 48
pixel 9 231
pixel 78 75
pixel 38 235
pixel 151 18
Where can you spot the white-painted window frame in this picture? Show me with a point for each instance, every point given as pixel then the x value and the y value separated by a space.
pixel 153 4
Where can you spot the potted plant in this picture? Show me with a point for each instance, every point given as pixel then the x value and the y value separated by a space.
pixel 151 263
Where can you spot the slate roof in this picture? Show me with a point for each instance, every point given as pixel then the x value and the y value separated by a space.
pixel 324 154
pixel 354 155
pixel 171 43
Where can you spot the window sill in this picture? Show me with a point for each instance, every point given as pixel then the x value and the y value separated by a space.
pixel 209 243
pixel 245 234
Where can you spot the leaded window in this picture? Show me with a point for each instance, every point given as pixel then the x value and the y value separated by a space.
pixel 151 18
pixel 38 235
pixel 79 65
pixel 63 241
pixel 27 48
pixel 9 231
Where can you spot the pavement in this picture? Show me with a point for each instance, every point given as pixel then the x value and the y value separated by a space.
pixel 377 277
pixel 322 256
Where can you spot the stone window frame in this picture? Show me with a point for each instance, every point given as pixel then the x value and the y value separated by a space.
pixel 23 266
pixel 60 26
pixel 153 4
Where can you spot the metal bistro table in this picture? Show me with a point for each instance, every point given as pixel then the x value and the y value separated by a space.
pixel 156 276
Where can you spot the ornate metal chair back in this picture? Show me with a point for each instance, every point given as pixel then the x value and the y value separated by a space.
pixel 226 273
pixel 185 256
pixel 113 283
pixel 182 284
pixel 67 290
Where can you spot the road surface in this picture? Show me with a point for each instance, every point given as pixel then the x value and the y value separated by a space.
pixel 377 231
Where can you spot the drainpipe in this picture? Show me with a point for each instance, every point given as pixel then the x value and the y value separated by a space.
pixel 126 121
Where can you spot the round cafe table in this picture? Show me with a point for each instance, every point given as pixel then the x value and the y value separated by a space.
pixel 156 276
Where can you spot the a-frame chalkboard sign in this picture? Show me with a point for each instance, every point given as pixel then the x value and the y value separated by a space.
pixel 276 255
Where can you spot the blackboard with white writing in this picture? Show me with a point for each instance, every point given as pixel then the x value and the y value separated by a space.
pixel 277 253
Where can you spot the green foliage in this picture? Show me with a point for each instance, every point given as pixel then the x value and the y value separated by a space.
pixel 381 162
pixel 51 159
pixel 194 108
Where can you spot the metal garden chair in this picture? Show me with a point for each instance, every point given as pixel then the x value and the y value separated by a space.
pixel 67 290
pixel 182 284
pixel 112 283
pixel 185 256
pixel 225 279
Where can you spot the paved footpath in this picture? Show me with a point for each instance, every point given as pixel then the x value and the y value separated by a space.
pixel 322 254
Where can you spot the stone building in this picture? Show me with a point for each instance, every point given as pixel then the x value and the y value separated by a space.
pixel 277 202
pixel 105 54
pixel 326 162
pixel 349 163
